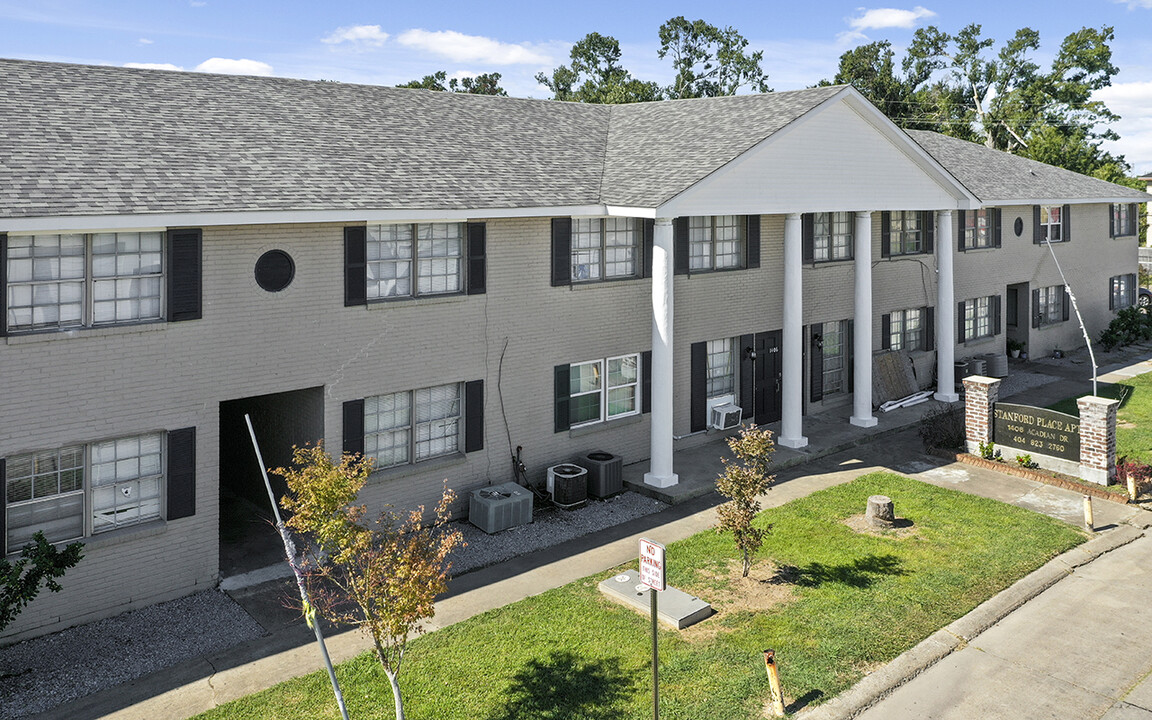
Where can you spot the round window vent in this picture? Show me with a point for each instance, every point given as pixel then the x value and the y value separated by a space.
pixel 275 270
pixel 1018 226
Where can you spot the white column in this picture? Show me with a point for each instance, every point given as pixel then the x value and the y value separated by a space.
pixel 862 325
pixel 945 310
pixel 793 361
pixel 661 474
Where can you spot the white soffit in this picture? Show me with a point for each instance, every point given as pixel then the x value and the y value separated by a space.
pixel 841 156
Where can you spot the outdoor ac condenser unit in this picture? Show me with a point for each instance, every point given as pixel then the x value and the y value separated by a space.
pixel 605 474
pixel 500 507
pixel 568 484
pixel 725 417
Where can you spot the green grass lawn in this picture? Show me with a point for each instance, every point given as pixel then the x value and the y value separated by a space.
pixel 852 601
pixel 1134 418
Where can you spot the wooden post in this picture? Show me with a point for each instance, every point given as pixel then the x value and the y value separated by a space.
pixel 774 682
pixel 1132 489
pixel 1088 521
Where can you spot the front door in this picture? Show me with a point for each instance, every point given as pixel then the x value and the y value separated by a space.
pixel 769 377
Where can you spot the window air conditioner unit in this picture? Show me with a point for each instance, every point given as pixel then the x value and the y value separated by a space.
pixel 568 485
pixel 725 417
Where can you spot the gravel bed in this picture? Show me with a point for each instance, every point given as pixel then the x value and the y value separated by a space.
pixel 39 674
pixel 549 526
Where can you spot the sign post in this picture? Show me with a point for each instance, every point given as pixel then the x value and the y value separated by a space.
pixel 652 575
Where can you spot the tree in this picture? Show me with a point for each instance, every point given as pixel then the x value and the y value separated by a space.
pixel 383 575
pixel 40 562
pixel 595 75
pixel 709 61
pixel 744 483
pixel 483 84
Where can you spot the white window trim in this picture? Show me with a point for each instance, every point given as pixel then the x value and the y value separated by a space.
pixel 1051 305
pixel 637 233
pixel 899 240
pixel 1130 225
pixel 732 363
pixel 972 228
pixel 828 240
pixel 414 263
pixel 841 356
pixel 411 427
pixel 741 224
pixel 1047 224
pixel 972 318
pixel 898 339
pixel 603 389
pixel 1122 291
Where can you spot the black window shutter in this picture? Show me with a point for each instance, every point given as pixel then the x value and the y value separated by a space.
pixel 886 331
pixel 928 315
pixel 477 258
pixel 1112 229
pixel 185 272
pixel 960 214
pixel 649 243
pixel 181 473
pixel 850 353
pixel 928 224
pixel 1036 308
pixel 885 234
pixel 3 514
pixel 646 381
pixel 355 266
pixel 680 246
pixel 808 237
pixel 1112 292
pixel 1133 220
pixel 747 401
pixel 699 387
pixel 3 318
pixel 1133 293
pixel 995 302
pixel 816 368
pixel 1037 231
pixel 561 252
pixel 562 388
pixel 960 322
pixel 473 415
pixel 997 232
pixel 354 427
pixel 1066 223
pixel 1067 304
pixel 753 241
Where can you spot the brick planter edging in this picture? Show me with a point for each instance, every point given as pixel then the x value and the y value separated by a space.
pixel 1030 474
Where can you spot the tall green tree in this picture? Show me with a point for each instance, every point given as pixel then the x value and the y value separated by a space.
pixel 483 84
pixel 596 76
pixel 39 563
pixel 709 61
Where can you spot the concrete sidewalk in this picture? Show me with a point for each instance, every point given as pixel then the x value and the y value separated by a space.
pixel 838 453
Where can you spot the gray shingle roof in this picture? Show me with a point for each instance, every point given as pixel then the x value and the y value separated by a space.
pixel 995 176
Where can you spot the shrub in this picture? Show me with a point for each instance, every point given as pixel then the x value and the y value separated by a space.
pixel 1025 461
pixel 943 428
pixel 988 451
pixel 1141 473
pixel 1129 326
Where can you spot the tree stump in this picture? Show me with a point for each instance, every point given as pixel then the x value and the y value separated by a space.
pixel 880 513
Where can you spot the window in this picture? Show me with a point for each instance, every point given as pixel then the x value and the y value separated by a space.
pixel 1123 220
pixel 1122 292
pixel 1051 223
pixel 716 242
pixel 906 329
pixel 978 318
pixel 833 335
pixel 977 231
pixel 411 426
pixel 411 260
pixel 67 281
pixel 1049 305
pixel 605 248
pixel 604 389
pixel 907 232
pixel 81 490
pixel 832 236
pixel 721 368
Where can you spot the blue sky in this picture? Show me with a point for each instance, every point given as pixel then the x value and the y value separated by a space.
pixel 386 43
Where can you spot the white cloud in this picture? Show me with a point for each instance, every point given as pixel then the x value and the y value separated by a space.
pixel 1131 102
pixel 881 18
pixel 472 48
pixel 226 66
pixel 144 41
pixel 357 34
pixel 153 66
pixel 1133 4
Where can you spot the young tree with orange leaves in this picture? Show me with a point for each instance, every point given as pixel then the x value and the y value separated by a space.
pixel 382 575
pixel 744 483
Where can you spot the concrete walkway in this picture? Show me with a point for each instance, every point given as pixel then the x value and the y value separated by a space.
pixel 289 651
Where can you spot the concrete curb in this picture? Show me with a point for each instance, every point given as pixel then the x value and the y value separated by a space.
pixel 876 686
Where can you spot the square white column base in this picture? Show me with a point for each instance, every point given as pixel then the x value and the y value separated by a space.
pixel 947 397
pixel 661 481
pixel 863 421
pixel 793 442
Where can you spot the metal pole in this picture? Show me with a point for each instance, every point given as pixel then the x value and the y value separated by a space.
pixel 290 552
pixel 655 663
